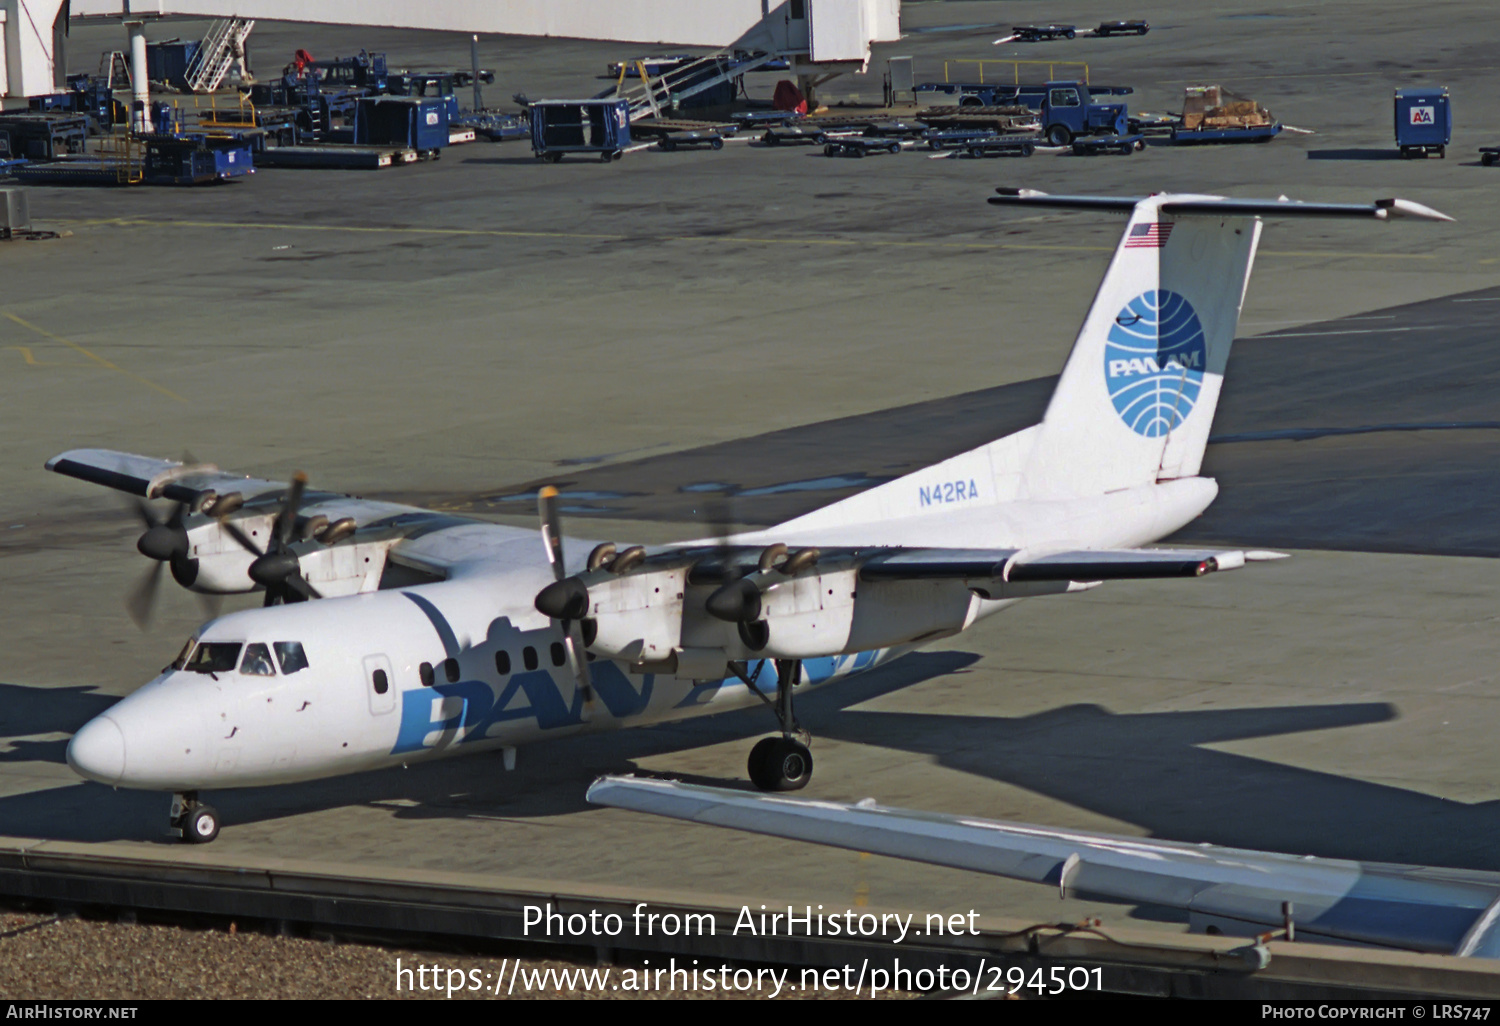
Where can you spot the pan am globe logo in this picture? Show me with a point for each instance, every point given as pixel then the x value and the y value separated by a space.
pixel 1153 362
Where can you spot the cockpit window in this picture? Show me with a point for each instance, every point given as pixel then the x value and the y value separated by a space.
pixel 290 655
pixel 257 662
pixel 215 657
pixel 182 657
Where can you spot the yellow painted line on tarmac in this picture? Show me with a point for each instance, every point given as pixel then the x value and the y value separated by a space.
pixel 101 361
pixel 749 239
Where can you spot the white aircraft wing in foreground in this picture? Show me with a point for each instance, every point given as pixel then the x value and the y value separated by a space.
pixel 392 635
pixel 1229 890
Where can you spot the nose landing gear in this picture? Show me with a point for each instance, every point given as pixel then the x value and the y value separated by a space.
pixel 783 763
pixel 193 821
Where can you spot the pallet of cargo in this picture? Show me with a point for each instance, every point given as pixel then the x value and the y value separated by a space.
pixel 335 156
pixel 1093 145
pixel 1000 119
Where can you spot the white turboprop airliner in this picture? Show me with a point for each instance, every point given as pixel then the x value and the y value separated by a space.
pixel 432 634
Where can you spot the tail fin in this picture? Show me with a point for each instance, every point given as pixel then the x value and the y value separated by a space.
pixel 1136 399
pixel 1138 393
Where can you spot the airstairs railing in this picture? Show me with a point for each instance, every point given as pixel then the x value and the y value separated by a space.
pixel 222 45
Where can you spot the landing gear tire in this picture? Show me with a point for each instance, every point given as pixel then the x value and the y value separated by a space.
pixel 201 825
pixel 780 764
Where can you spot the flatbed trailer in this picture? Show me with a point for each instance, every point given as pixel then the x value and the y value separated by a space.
pixel 956 138
pixel 859 146
pixel 1040 33
pixel 1199 136
pixel 896 128
pixel 336 156
pixel 692 138
pixel 794 135
pixel 1001 146
pixel 1093 145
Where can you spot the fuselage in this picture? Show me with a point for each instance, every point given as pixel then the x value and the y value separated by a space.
pixel 392 677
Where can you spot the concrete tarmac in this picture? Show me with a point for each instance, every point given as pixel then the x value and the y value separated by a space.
pixel 454 332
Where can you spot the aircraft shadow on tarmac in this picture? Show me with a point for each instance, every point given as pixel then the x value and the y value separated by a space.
pixel 27 712
pixel 1377 433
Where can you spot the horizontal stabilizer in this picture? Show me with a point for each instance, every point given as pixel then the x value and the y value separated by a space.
pixel 1221 206
pixel 1237 891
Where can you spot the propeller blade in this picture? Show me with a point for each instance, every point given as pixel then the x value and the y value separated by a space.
pixel 141 601
pixel 287 518
pixel 147 515
pixel 546 505
pixel 241 538
pixel 579 661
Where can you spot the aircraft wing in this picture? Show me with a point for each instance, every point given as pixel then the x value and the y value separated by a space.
pixel 1080 565
pixel 1238 891
pixel 153 478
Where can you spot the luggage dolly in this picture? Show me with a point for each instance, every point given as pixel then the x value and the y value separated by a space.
pixel 1000 147
pixel 859 146
pixel 792 135
pixel 671 140
pixel 958 138
pixel 1093 145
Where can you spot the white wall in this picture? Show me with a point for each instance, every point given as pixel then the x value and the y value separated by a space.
pixel 27 65
pixel 681 22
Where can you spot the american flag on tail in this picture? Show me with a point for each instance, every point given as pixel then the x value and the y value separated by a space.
pixel 1148 235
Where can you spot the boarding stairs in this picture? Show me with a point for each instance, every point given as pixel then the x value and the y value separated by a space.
pixel 222 46
pixel 113 68
pixel 651 97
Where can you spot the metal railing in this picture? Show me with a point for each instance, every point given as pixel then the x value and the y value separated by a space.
pixel 1015 67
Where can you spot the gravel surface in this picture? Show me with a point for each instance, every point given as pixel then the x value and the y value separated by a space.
pixel 50 957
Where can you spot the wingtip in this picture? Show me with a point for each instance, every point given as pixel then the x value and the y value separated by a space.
pixel 1396 207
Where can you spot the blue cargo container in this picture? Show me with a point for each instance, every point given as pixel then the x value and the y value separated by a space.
pixel 580 126
pixel 1424 121
pixel 411 122
pixel 169 61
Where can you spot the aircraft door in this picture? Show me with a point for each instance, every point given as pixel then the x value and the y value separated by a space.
pixel 380 684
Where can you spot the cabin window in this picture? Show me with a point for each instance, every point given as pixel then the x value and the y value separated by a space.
pixel 290 655
pixel 502 662
pixel 215 657
pixel 450 670
pixel 381 682
pixel 1063 98
pixel 559 655
pixel 425 672
pixel 528 656
pixel 257 661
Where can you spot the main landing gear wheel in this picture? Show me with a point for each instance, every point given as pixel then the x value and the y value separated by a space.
pixel 782 763
pixel 193 821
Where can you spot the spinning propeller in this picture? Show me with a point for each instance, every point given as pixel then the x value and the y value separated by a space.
pixel 166 542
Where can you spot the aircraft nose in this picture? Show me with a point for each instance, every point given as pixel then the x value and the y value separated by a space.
pixel 98 751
